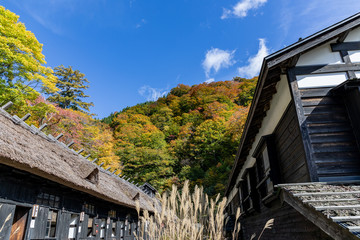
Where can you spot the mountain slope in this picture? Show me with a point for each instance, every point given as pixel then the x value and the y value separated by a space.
pixel 192 133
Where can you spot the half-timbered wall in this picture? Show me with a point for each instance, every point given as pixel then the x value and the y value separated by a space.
pixel 21 190
pixel 328 135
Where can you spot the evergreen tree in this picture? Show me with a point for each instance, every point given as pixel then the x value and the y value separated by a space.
pixel 72 85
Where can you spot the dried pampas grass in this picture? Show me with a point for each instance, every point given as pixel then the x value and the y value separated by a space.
pixel 184 216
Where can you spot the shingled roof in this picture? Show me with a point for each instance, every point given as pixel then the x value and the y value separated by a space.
pixel 334 208
pixel 27 148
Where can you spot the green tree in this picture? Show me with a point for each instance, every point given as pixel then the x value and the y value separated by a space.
pixel 21 60
pixel 72 85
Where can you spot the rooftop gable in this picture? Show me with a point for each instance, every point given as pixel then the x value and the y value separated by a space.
pixel 273 66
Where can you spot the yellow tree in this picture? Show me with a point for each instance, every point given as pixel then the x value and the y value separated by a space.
pixel 21 59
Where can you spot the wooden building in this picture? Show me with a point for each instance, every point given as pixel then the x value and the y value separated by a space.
pixel 49 191
pixel 299 161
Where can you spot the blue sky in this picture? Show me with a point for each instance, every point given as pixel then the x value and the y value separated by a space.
pixel 132 51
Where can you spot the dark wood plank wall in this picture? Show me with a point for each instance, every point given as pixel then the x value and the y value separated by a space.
pixel 332 138
pixel 290 149
pixel 288 224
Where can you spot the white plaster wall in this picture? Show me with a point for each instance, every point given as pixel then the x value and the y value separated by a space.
pixel 321 80
pixel 320 56
pixel 353 36
pixel 278 105
pixel 354 56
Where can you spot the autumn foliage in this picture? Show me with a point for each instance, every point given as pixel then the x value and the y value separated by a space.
pixel 192 133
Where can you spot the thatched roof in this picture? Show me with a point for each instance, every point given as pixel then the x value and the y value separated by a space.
pixel 26 148
pixel 335 208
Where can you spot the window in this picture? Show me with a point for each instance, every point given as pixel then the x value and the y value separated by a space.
pixel 48 200
pixel 267 173
pixel 249 194
pixel 89 209
pixel 112 214
pixel 51 224
pixel 72 228
pixel 246 191
pixel 93 176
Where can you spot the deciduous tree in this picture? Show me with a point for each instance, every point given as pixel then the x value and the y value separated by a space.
pixel 21 58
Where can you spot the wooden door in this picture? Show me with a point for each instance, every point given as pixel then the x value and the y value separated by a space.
pixel 6 218
pixel 19 224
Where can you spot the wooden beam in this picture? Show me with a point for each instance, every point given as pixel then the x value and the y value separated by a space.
pixel 26 117
pixel 300 115
pixel 345 207
pixel 345 218
pixel 329 227
pixel 7 105
pixel 345 46
pixel 331 200
pixel 325 193
pixel 59 136
pixel 354 228
pixel 332 68
pixel 343 36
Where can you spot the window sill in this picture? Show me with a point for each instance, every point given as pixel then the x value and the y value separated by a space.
pixel 269 198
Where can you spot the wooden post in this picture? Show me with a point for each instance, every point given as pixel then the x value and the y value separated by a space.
pixel 7 105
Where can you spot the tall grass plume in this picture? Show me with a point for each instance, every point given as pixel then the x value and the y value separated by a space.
pixel 184 216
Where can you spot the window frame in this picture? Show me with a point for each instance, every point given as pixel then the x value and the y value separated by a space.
pixel 249 194
pixel 50 225
pixel 267 168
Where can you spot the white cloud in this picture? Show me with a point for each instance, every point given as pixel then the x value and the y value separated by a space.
pixel 253 68
pixel 210 80
pixel 216 59
pixel 151 94
pixel 241 9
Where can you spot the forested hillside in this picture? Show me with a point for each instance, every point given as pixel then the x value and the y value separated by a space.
pixel 192 133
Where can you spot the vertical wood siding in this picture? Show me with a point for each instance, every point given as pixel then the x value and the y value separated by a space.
pixel 290 149
pixel 332 138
